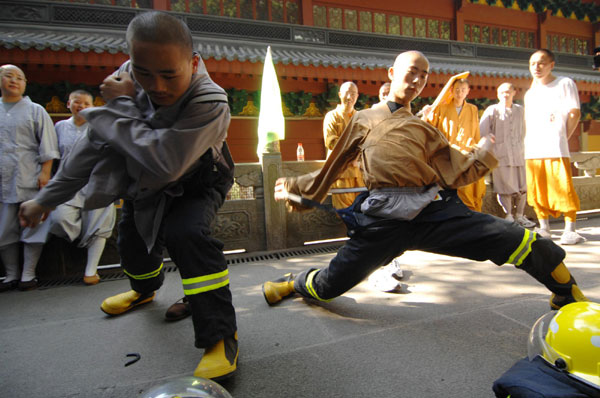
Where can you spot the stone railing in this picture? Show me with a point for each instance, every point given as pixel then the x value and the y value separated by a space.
pixel 260 223
pixel 267 226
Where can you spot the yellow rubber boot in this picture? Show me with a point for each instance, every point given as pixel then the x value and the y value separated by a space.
pixel 219 361
pixel 277 290
pixel 121 303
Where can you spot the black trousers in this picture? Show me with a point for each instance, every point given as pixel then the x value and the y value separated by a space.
pixel 444 227
pixel 185 232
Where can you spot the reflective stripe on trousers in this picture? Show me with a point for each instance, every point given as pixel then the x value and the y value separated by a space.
pixel 152 274
pixel 205 283
pixel 310 288
pixel 524 248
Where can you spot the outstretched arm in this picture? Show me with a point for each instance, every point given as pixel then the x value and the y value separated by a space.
pixel 73 174
pixel 457 168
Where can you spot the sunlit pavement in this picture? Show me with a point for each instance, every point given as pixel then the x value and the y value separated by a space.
pixel 452 330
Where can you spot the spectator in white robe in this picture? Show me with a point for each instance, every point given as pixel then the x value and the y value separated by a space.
pixel 506 121
pixel 28 147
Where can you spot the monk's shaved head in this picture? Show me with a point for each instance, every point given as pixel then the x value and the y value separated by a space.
pixel 408 77
pixel 506 86
pixel 347 85
pixel 348 95
pixel 12 83
pixel 7 67
pixel 410 56
pixel 159 28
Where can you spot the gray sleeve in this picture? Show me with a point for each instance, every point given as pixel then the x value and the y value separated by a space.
pixel 44 128
pixel 72 175
pixel 164 153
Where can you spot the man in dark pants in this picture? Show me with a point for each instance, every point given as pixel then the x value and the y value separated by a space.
pixel 159 143
pixel 412 174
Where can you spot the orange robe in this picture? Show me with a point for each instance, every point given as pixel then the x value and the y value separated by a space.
pixel 462 131
pixel 334 124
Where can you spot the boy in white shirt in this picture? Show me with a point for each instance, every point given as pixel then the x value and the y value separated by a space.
pixel 551 116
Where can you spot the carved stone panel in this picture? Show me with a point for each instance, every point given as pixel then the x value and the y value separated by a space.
pixel 230 226
pixel 464 50
pixel 588 190
pixel 21 12
pixel 310 36
pixel 252 178
pixel 313 225
pixel 240 224
pixel 316 220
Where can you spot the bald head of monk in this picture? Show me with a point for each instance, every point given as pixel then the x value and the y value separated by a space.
pixel 408 77
pixel 12 83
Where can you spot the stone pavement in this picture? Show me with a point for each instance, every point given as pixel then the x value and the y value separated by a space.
pixel 456 326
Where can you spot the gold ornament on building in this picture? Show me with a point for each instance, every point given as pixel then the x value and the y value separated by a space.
pixel 312 111
pixel 286 111
pixel 249 109
pixel 56 106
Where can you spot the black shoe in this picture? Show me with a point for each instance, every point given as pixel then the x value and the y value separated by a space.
pixel 29 285
pixel 179 310
pixel 6 286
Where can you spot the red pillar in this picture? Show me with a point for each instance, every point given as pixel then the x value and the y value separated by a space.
pixel 307 13
pixel 459 21
pixel 542 29
pixel 162 5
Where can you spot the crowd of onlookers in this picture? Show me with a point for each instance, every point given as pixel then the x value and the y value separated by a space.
pixel 30 145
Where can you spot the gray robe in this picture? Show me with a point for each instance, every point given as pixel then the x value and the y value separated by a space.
pixel 136 152
pixel 27 139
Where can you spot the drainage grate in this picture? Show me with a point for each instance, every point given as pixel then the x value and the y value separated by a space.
pixel 234 259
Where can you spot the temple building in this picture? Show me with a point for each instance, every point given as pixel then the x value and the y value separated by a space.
pixel 316 45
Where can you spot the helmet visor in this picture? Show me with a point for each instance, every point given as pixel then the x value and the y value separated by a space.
pixel 536 344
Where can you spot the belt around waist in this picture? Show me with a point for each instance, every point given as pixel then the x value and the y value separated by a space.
pixel 402 189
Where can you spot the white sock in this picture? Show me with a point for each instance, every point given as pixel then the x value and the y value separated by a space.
pixel 10 258
pixel 31 256
pixel 94 252
pixel 521 204
pixel 570 226
pixel 544 223
pixel 506 203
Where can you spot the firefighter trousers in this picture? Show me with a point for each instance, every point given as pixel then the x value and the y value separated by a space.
pixel 445 227
pixel 185 232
